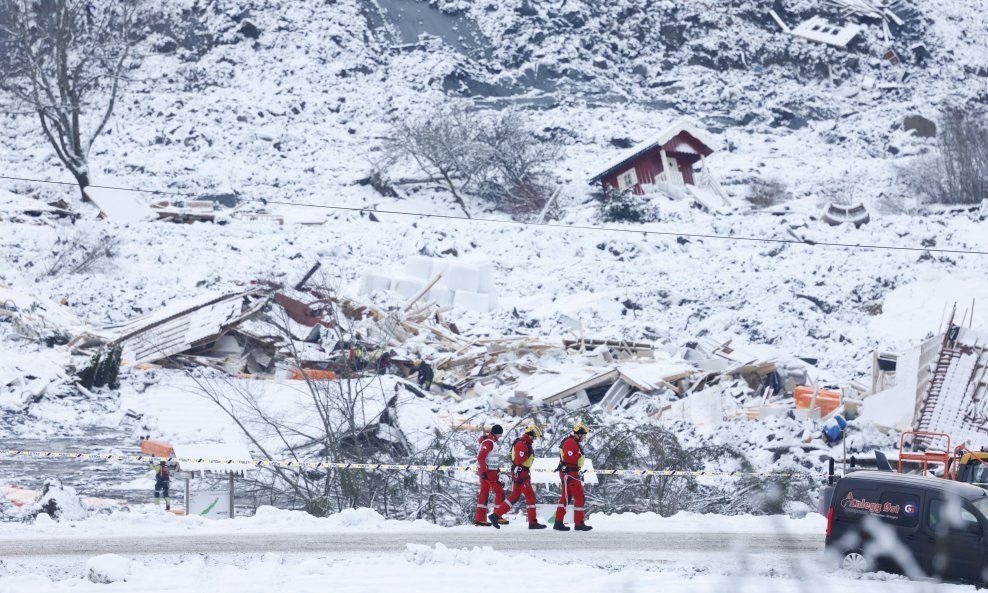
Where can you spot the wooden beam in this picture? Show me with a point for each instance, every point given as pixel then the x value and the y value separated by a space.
pixel 779 21
pixel 422 292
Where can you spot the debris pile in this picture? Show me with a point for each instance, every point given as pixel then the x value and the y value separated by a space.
pixel 940 386
pixel 268 331
pixel 22 209
pixel 31 364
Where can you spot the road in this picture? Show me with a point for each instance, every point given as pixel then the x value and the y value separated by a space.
pixel 504 540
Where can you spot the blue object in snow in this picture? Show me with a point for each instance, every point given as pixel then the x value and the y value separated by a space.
pixel 833 429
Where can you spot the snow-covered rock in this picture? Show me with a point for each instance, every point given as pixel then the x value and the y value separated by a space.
pixel 57 501
pixel 107 568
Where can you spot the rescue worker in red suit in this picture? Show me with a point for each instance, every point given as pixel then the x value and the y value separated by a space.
pixel 522 457
pixel 489 481
pixel 570 474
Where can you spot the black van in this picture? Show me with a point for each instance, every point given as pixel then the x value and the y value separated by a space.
pixel 915 525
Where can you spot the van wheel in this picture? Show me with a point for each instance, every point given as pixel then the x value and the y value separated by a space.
pixel 854 561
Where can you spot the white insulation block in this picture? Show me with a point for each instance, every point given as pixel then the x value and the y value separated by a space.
pixel 485 273
pixel 472 301
pixel 407 287
pixel 441 294
pixel 463 277
pixel 372 281
pixel 419 266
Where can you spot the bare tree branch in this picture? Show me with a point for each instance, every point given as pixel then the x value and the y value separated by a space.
pixel 495 156
pixel 63 58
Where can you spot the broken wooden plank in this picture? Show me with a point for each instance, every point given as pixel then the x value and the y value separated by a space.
pixel 422 293
pixel 779 21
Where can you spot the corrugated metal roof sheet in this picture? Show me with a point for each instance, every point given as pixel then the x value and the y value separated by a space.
pixel 180 326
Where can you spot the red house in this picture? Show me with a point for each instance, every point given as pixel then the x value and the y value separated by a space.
pixel 665 164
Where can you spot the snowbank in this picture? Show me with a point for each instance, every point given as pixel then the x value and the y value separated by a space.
pixel 152 520
pixel 107 568
pixel 709 523
pixel 441 555
pixel 438 569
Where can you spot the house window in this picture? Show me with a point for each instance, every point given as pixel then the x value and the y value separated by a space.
pixel 627 179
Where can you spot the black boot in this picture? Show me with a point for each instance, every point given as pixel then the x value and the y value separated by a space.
pixel 495 520
pixel 536 526
pixel 582 527
pixel 559 526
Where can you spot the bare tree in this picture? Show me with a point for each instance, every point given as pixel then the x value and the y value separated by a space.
pixel 497 157
pixel 447 146
pixel 958 172
pixel 519 164
pixel 62 59
pixel 78 254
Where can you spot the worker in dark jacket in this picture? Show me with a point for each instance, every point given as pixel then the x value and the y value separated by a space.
pixel 425 374
pixel 161 481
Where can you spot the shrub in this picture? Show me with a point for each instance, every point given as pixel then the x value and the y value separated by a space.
pixel 764 193
pixel 958 172
pixel 626 206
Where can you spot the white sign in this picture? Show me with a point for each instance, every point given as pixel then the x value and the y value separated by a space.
pixel 544 471
pixel 213 504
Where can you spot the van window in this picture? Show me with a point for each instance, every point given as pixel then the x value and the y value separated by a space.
pixel 981 505
pixel 951 516
pixel 900 508
pixel 852 503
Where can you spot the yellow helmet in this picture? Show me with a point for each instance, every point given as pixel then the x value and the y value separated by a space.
pixel 534 430
pixel 581 428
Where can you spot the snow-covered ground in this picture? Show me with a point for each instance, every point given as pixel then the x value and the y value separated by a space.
pixel 152 522
pixel 555 565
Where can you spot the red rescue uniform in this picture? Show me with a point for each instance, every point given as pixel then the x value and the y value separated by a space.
pixel 522 457
pixel 489 481
pixel 570 464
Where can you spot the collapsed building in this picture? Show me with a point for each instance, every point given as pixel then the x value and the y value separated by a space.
pixel 939 386
pixel 267 331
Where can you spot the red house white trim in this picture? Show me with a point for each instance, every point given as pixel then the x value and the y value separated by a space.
pixel 665 163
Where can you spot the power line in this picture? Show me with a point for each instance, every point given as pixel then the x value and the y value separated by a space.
pixel 550 225
pixel 133 189
pixel 637 231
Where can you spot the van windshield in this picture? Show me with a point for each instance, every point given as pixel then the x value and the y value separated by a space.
pixel 982 505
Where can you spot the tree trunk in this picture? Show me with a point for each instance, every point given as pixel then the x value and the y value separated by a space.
pixel 456 196
pixel 82 178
